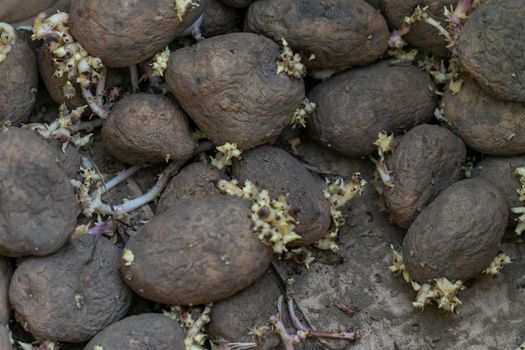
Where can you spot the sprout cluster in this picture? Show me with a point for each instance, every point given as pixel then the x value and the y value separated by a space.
pixel 7 39
pixel 384 146
pixel 195 333
pixel 497 264
pixel 520 227
pixel 182 6
pixel 39 345
pixel 128 257
pixel 225 155
pixel 160 62
pixel 88 202
pixel 303 112
pixel 290 63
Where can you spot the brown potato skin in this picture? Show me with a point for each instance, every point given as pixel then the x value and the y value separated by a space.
pixel 354 106
pixel 133 30
pixel 6 271
pixel 69 160
pixel 492 49
pixel 11 11
pixel 146 128
pixel 39 207
pixel 238 3
pixel 277 171
pixel 200 251
pixel 18 84
pixel 428 159
pixel 5 338
pixel 230 88
pixel 140 332
pixel 219 18
pixel 485 123
pixel 340 33
pixel 458 234
pixel 43 291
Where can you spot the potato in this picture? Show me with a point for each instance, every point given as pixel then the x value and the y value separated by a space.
pixel 146 128
pixel 132 30
pixel 220 19
pixel 230 88
pixel 140 332
pixel 458 234
pixel 69 159
pixel 200 251
pixel 237 3
pixel 427 160
pixel 12 11
pixel 5 338
pixel 485 123
pixel 491 48
pixel 65 296
pixel 6 270
pixel 275 170
pixel 339 33
pixel 354 106
pixel 39 207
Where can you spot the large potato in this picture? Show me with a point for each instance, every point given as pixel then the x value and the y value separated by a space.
pixel 230 88
pixel 6 270
pixel 200 251
pixel 458 234
pixel 220 19
pixel 354 106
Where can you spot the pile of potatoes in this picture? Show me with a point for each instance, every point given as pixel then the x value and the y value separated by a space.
pixel 219 93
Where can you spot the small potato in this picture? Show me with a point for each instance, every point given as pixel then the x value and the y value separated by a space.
pixel 220 19
pixel 67 296
pixel 141 332
pixel 427 160
pixel 200 251
pixel 491 48
pixel 238 3
pixel 230 88
pixel 330 35
pixel 38 207
pixel 147 128
pixel 6 270
pixel 485 123
pixel 354 106
pixel 458 234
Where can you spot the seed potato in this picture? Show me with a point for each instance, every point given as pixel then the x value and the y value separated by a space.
pixel 219 18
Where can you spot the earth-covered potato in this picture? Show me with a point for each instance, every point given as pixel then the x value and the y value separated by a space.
pixel 38 207
pixel 67 296
pixel 278 172
pixel 147 331
pixel 147 128
pixel 491 48
pixel 199 251
pixel 485 123
pixel 458 234
pixel 230 88
pixel 237 3
pixel 426 161
pixel 132 30
pixel 6 270
pixel 354 106
pixel 219 18
pixel 330 35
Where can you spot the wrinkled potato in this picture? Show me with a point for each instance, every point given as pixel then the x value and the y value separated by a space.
pixel 230 88
pixel 427 160
pixel 338 33
pixel 147 331
pixel 6 270
pixel 65 296
pixel 485 123
pixel 238 3
pixel 38 205
pixel 354 106
pixel 275 170
pixel 147 128
pixel 458 234
pixel 200 251
pixel 220 19
pixel 491 48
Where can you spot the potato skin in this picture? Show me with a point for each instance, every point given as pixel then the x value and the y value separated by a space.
pixel 39 207
pixel 140 332
pixel 11 11
pixel 238 3
pixel 6 270
pixel 5 338
pixel 354 106
pixel 146 128
pixel 340 33
pixel 275 170
pixel 69 160
pixel 230 88
pixel 428 159
pixel 485 123
pixel 458 234
pixel 200 251
pixel 491 48
pixel 46 292
pixel 219 18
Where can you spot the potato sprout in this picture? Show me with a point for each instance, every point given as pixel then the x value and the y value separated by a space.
pixel 160 62
pixel 383 144
pixel 520 227
pixel 302 113
pixel 39 345
pixel 225 154
pixel 182 6
pixel 521 347
pixel 497 264
pixel 128 257
pixel 7 39
pixel 290 63
pixel 195 332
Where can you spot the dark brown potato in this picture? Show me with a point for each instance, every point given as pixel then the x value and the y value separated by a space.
pixel 146 128
pixel 458 234
pixel 238 3
pixel 197 180
pixel 427 160
pixel 38 207
pixel 354 106
pixel 65 296
pixel 485 123
pixel 220 19
pixel 141 332
pixel 6 270
pixel 340 33
pixel 275 170
pixel 492 48
pixel 200 251
pixel 230 88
